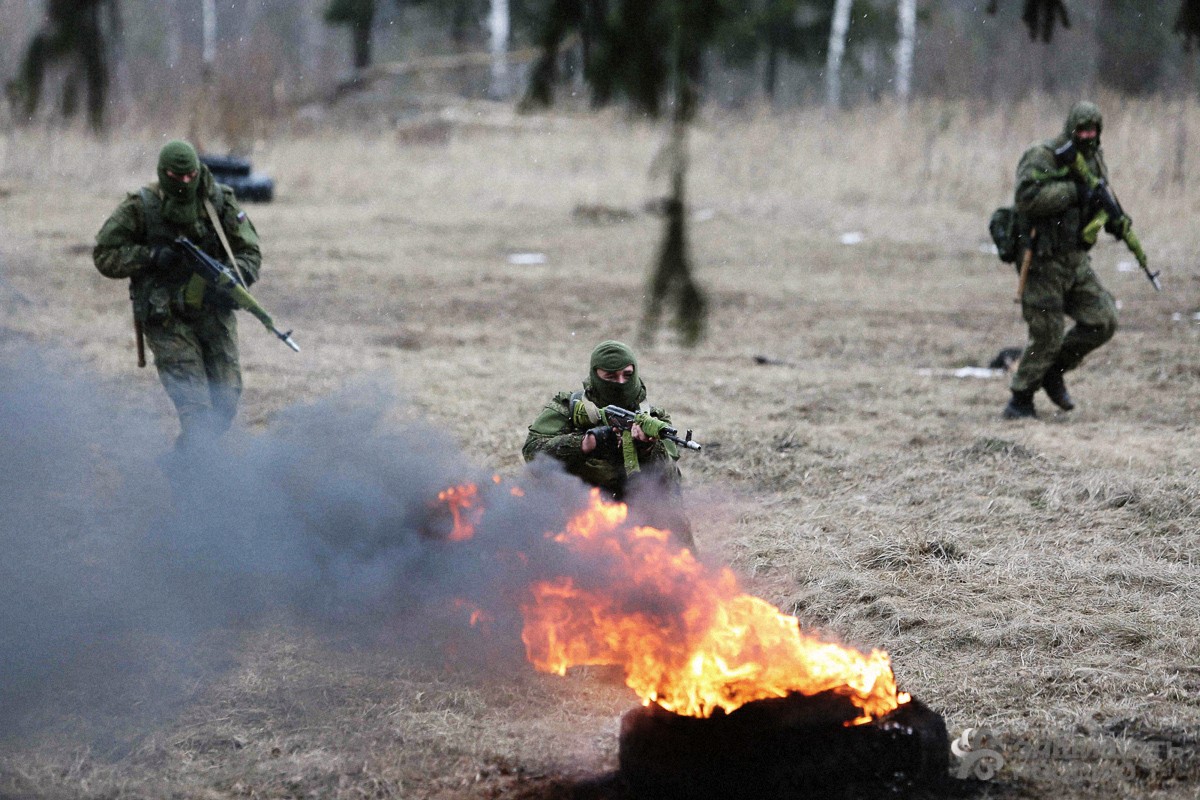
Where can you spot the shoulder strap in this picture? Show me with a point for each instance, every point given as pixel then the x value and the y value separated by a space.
pixel 151 210
pixel 216 221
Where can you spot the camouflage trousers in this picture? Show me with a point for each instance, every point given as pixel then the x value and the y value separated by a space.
pixel 197 362
pixel 1062 285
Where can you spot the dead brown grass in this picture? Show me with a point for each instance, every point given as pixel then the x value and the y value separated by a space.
pixel 1037 578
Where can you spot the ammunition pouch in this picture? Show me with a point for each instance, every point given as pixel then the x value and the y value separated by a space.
pixel 157 306
pixel 1010 233
pixel 1060 234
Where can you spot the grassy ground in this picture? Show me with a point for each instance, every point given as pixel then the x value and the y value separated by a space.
pixel 1039 578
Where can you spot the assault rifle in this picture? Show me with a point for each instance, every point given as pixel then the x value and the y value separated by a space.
pixel 622 419
pixel 227 282
pixel 1110 209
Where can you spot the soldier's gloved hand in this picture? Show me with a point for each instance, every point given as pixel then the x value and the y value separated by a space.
pixel 221 301
pixel 165 258
pixel 651 426
pixel 1119 226
pixel 603 437
pixel 1064 155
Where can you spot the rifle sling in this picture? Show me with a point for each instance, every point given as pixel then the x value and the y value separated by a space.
pixel 216 221
pixel 629 453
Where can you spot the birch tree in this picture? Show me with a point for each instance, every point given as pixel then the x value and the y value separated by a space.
pixel 906 43
pixel 499 25
pixel 837 51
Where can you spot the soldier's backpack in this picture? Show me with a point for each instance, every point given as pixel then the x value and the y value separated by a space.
pixel 1007 229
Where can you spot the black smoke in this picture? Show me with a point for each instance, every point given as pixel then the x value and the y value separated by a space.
pixel 114 551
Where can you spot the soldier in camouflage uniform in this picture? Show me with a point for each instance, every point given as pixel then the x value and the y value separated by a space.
pixel 194 339
pixel 1061 281
pixel 573 433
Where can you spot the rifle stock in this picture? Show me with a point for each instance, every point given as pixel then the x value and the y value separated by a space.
pixel 1026 260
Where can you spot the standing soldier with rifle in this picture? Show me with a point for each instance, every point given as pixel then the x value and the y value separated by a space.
pixel 188 323
pixel 600 435
pixel 1061 189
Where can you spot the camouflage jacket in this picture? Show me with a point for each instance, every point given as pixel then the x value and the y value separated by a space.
pixel 126 239
pixel 1052 200
pixel 554 434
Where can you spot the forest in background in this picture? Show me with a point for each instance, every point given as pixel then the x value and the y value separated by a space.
pixel 275 57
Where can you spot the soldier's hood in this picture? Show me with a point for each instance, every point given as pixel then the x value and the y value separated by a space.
pixel 1084 113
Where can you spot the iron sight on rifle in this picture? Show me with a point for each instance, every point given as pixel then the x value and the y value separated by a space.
pixel 622 419
pixel 229 283
pixel 1110 209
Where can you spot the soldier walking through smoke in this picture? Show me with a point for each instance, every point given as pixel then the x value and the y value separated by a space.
pixel 629 458
pixel 1057 203
pixel 189 325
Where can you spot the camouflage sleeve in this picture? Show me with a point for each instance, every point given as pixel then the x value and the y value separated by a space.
pixel 120 250
pixel 243 238
pixel 1043 188
pixel 552 433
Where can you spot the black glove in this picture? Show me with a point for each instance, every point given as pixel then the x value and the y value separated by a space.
pixel 218 300
pixel 1119 226
pixel 606 437
pixel 1064 154
pixel 165 258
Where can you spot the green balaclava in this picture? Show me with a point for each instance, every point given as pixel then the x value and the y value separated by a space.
pixel 179 198
pixel 1085 114
pixel 613 356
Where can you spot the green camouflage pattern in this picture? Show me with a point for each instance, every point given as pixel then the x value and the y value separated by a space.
pixel 197 363
pixel 1061 280
pixel 195 349
pixel 1058 286
pixel 556 435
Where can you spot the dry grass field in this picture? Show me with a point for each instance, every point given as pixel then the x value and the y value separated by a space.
pixel 1038 578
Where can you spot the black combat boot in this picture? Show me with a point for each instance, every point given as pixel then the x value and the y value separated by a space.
pixel 1056 389
pixel 1021 406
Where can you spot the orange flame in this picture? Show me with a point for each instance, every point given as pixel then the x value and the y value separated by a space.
pixel 462 499
pixel 685 635
pixel 478 615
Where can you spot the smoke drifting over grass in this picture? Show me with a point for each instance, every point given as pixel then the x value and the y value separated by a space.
pixel 116 554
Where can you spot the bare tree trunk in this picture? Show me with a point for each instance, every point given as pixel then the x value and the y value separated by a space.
pixel 906 24
pixel 174 34
pixel 361 35
pixel 208 12
pixel 1187 93
pixel 837 50
pixel 202 113
pixel 498 29
pixel 771 71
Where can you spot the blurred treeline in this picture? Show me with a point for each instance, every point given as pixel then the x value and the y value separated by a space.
pixel 275 56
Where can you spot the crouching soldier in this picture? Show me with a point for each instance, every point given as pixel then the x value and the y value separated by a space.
pixel 632 465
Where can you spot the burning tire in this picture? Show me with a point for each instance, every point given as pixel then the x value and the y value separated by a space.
pixel 794 746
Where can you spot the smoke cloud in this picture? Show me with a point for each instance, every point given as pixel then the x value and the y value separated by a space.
pixel 114 551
